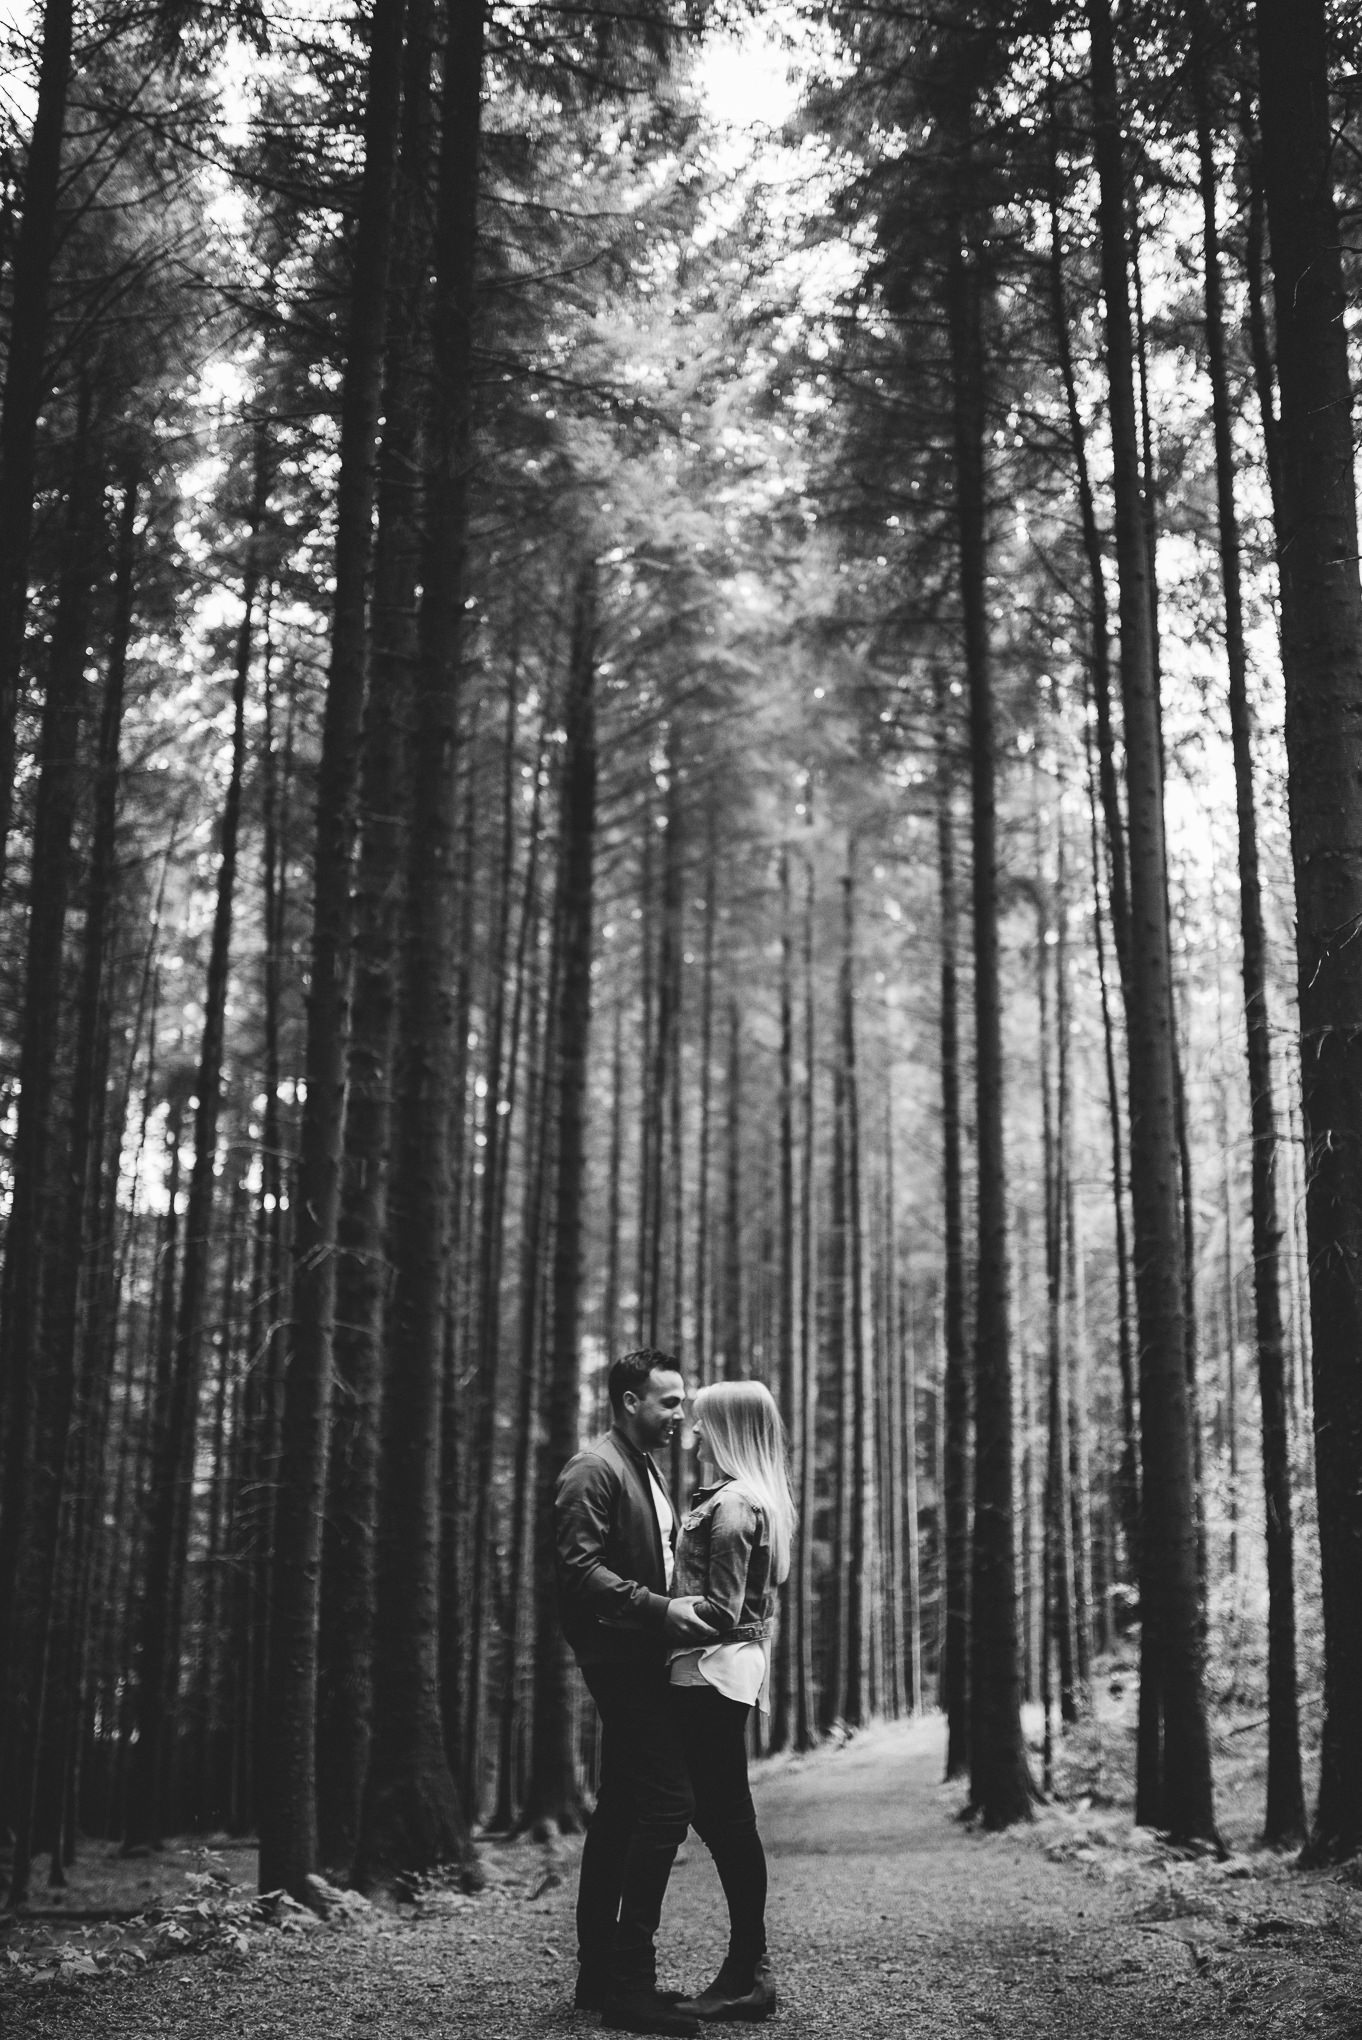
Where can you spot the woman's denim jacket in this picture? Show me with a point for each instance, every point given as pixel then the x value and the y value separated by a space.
pixel 724 1556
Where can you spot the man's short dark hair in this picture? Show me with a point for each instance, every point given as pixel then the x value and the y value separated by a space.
pixel 629 1375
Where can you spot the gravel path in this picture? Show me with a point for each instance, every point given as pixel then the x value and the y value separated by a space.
pixel 889 1922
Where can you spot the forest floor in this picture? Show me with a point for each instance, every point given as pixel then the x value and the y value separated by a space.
pixel 888 1917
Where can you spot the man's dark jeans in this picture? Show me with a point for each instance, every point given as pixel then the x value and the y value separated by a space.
pixel 643 1810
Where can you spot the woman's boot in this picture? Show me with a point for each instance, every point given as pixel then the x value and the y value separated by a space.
pixel 740 1991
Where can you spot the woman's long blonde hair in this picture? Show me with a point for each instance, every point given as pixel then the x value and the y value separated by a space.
pixel 747 1441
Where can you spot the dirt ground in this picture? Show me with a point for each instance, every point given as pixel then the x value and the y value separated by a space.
pixel 888 1918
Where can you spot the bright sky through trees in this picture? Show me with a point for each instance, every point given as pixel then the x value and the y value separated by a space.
pixel 750 79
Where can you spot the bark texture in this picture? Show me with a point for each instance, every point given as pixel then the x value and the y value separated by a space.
pixel 1321 634
pixel 27 372
pixel 1001 1789
pixel 1174 1786
pixel 954 1676
pixel 553 1799
pixel 288 1853
pixel 1284 1817
pixel 412 1817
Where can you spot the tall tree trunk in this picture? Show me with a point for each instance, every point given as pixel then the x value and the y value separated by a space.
pixel 1058 1570
pixel 1321 634
pixel 1174 1787
pixel 457 1498
pixel 487 1312
pixel 953 1678
pixel 83 1261
pixel 552 1800
pixel 649 1108
pixel 1127 1476
pixel 836 1374
pixel 663 1309
pixel 288 1839
pixel 731 1355
pixel 1099 664
pixel 1029 1462
pixel 703 1258
pixel 1000 1783
pixel 674 1319
pixel 345 1613
pixel 1285 1812
pixel 862 1583
pixel 540 1617
pixel 661 1009
pixel 787 1373
pixel 1149 517
pixel 86 1157
pixel 412 1817
pixel 805 1697
pixel 205 1690
pixel 912 1542
pixel 614 1191
pixel 902 1605
pixel 888 1686
pixel 168 1542
pixel 1255 307
pixel 256 1433
pixel 520 1585
pixel 38 1399
pixel 27 373
pixel 124 1557
pixel 103 1343
pixel 1104 781
pixel 1075 1336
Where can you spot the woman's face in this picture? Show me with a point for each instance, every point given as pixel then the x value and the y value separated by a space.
pixel 701 1440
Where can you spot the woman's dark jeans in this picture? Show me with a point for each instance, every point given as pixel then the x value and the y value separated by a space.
pixel 713 1735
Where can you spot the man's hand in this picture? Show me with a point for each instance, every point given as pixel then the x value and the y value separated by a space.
pixel 683 1625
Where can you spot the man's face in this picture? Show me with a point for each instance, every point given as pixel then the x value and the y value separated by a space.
pixel 656 1413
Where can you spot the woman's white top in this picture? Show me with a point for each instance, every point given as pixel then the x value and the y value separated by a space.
pixel 737 1670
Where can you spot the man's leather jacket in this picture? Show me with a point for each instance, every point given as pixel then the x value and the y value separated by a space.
pixel 612 1591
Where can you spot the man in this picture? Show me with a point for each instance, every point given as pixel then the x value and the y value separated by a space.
pixel 616 1536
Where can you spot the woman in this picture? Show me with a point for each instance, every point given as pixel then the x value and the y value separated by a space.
pixel 733 1553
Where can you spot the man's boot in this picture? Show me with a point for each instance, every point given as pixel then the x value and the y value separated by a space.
pixel 593 1991
pixel 633 2001
pixel 641 2008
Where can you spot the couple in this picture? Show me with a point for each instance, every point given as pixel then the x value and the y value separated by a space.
pixel 671 1633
